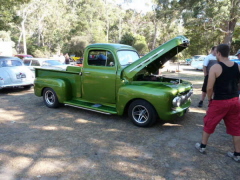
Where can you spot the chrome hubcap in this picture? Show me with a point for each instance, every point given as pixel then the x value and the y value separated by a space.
pixel 49 97
pixel 140 114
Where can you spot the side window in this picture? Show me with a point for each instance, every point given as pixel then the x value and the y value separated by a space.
pixel 101 58
pixel 27 62
pixel 35 63
pixel 16 63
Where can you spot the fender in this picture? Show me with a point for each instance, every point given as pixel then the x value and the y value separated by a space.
pixel 61 87
pixel 127 94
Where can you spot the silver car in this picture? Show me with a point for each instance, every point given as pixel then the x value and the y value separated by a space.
pixel 13 73
pixel 45 63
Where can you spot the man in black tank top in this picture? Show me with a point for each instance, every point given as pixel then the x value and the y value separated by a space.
pixel 223 82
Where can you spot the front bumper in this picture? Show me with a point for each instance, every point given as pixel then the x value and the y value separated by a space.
pixel 176 112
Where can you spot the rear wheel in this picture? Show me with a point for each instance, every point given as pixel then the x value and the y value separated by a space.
pixel 142 113
pixel 50 98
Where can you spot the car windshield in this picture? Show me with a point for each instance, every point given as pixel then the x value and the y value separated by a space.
pixel 10 63
pixel 52 62
pixel 196 56
pixel 127 57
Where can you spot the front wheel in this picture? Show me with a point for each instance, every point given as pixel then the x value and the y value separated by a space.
pixel 50 98
pixel 142 113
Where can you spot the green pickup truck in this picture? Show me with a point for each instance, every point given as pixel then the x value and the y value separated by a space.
pixel 115 80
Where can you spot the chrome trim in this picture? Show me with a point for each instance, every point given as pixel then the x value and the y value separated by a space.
pixel 87 109
pixel 15 85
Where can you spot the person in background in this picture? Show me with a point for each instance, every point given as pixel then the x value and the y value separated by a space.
pixel 223 84
pixel 67 59
pixel 62 58
pixel 238 54
pixel 208 62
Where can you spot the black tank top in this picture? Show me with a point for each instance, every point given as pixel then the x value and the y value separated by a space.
pixel 226 85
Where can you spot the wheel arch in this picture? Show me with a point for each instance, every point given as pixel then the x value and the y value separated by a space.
pixel 125 110
pixel 61 87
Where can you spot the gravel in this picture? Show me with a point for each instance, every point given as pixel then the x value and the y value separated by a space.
pixel 37 142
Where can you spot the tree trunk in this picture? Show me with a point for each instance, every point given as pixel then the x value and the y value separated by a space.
pixel 230 29
pixel 230 25
pixel 155 34
pixel 24 37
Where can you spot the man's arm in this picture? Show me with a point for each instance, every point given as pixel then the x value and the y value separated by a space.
pixel 204 70
pixel 211 81
pixel 205 64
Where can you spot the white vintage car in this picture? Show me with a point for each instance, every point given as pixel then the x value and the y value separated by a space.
pixel 197 63
pixel 13 73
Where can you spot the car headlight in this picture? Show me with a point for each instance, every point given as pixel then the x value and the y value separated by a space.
pixel 176 101
pixel 190 93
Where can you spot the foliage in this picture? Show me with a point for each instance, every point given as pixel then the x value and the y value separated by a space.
pixel 8 13
pixel 4 36
pixel 141 47
pixel 235 46
pixel 77 45
pixel 128 38
pixel 140 44
pixel 55 26
pixel 216 17
pixel 38 53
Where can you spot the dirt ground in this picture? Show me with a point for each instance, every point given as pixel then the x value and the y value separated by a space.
pixel 39 143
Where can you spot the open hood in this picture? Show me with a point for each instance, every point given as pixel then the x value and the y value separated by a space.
pixel 155 59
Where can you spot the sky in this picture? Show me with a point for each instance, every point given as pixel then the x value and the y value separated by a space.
pixel 138 5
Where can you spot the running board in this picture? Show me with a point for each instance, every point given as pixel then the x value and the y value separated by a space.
pixel 87 109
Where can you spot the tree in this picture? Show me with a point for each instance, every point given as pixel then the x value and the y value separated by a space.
pixel 166 20
pixel 216 16
pixel 8 13
pixel 77 45
pixel 128 38
pixel 140 44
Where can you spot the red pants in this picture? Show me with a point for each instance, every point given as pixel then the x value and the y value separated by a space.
pixel 228 110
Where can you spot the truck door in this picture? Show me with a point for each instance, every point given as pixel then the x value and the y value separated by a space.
pixel 99 77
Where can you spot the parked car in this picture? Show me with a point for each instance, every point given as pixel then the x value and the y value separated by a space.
pixel 13 73
pixel 197 63
pixel 236 60
pixel 22 56
pixel 45 63
pixel 189 61
pixel 231 57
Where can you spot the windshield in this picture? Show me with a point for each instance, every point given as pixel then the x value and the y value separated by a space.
pixel 127 57
pixel 52 62
pixel 10 63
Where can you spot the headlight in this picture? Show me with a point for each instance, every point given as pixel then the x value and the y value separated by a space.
pixel 189 93
pixel 176 101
